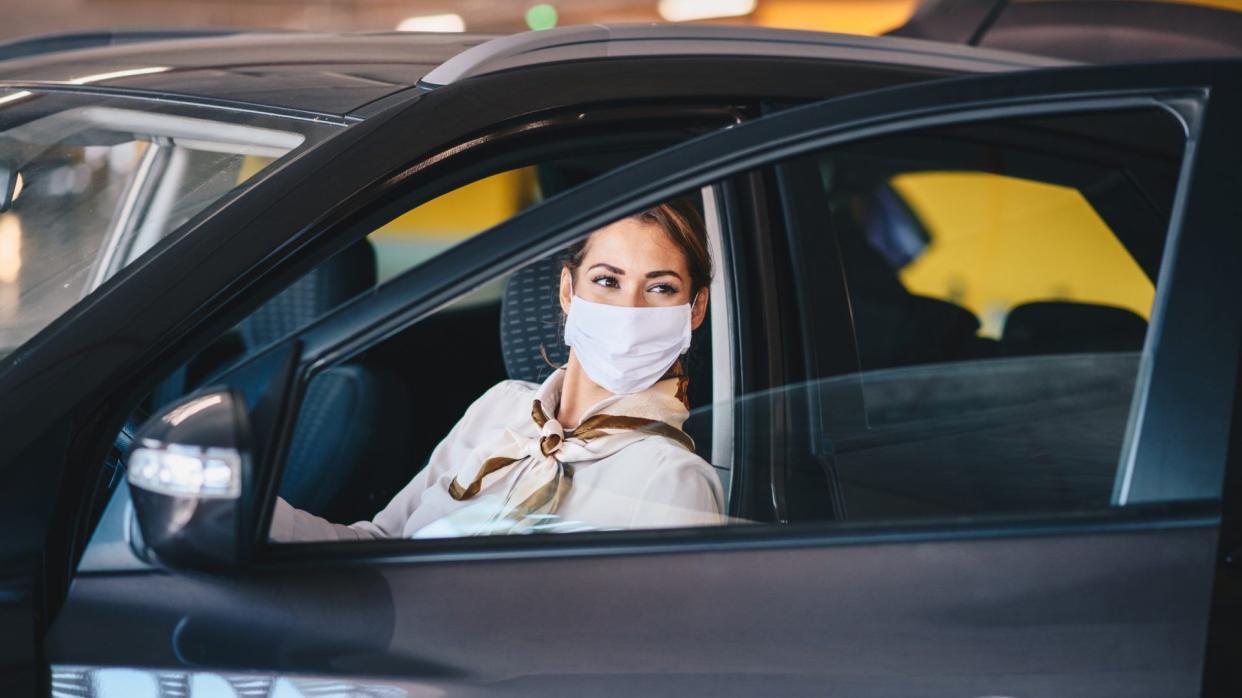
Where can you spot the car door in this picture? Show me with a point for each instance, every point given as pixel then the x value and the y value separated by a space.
pixel 64 404
pixel 1104 601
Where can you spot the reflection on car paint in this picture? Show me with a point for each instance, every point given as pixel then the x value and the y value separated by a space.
pixel 110 682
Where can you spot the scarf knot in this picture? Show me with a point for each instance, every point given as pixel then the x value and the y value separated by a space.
pixel 551 436
pixel 546 460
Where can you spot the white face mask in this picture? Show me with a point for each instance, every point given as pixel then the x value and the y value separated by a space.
pixel 626 350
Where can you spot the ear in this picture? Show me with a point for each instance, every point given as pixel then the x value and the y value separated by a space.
pixel 698 311
pixel 567 287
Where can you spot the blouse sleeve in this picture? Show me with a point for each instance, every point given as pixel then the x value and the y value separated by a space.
pixel 683 491
pixel 290 524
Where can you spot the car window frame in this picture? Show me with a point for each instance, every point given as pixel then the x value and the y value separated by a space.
pixel 816 126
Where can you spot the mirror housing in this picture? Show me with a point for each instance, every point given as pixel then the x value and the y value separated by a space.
pixel 189 473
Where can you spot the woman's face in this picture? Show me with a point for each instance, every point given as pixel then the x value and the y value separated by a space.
pixel 634 264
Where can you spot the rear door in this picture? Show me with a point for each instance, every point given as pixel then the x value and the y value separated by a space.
pixel 1107 597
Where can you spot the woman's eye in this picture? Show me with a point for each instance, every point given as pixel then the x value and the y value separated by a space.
pixel 663 288
pixel 605 281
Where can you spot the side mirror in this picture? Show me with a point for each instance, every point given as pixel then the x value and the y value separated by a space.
pixel 189 475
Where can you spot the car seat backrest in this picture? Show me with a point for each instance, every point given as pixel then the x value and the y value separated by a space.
pixel 354 419
pixel 333 282
pixel 530 321
pixel 338 279
pixel 1058 327
pixel 352 435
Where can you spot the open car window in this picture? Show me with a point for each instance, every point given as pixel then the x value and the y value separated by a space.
pixel 352 448
pixel 485 357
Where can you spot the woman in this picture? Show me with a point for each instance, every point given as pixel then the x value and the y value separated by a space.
pixel 599 443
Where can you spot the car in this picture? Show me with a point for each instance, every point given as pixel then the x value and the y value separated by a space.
pixel 966 378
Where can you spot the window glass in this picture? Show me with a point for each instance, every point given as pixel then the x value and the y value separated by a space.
pixel 996 242
pixel 425 231
pixel 88 184
pixel 999 281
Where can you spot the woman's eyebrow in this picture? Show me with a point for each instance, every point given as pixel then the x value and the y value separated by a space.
pixel 663 272
pixel 609 267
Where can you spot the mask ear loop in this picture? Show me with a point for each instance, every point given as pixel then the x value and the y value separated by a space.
pixel 543 350
pixel 694 303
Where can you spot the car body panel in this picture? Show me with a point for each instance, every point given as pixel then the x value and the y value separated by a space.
pixel 952 610
pixel 338 74
pixel 327 73
pixel 1123 616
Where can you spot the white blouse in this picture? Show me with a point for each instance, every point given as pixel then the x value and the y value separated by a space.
pixel 650 483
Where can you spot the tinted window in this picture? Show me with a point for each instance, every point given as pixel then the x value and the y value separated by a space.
pixel 999 279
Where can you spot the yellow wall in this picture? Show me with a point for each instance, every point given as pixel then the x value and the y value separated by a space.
pixel 844 16
pixel 1000 241
pixel 468 210
pixel 424 232
pixel 875 17
pixel 251 165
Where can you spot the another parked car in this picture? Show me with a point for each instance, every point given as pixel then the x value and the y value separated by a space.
pixel 967 377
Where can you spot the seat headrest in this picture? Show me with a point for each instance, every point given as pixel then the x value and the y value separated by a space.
pixel 339 278
pixel 1057 327
pixel 530 319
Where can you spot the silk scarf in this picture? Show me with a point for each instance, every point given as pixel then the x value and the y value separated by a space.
pixel 544 462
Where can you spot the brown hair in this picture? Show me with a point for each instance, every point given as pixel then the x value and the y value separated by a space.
pixel 680 220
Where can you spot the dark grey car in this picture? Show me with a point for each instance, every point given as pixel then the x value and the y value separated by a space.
pixel 955 464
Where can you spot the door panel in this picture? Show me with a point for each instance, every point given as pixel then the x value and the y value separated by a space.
pixel 1106 604
pixel 1122 615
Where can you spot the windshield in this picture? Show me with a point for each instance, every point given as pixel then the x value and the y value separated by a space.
pixel 88 184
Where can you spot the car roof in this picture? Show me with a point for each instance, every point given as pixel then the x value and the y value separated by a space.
pixel 336 74
pixel 311 72
pixel 600 41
